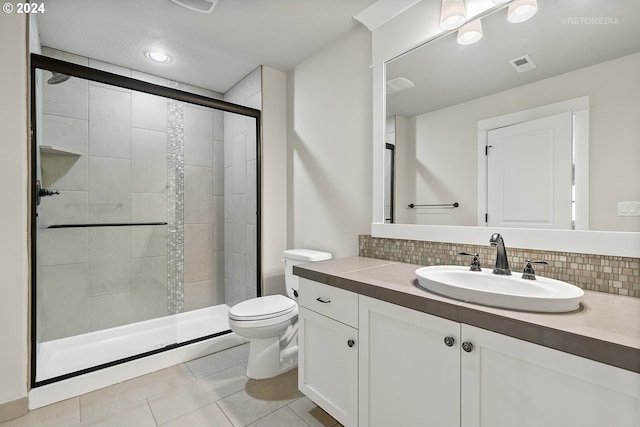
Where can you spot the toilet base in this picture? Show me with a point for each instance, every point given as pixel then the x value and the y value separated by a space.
pixel 266 360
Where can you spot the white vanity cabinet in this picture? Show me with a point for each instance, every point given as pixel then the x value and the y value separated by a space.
pixel 371 363
pixel 408 375
pixel 509 382
pixel 328 349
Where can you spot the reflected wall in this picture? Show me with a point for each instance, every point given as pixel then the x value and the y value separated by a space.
pixel 440 156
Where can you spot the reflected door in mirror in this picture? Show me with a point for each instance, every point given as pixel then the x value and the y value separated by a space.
pixel 530 174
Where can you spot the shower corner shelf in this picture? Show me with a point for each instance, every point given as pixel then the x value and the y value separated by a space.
pixel 60 151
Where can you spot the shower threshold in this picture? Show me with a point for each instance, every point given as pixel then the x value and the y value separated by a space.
pixel 65 356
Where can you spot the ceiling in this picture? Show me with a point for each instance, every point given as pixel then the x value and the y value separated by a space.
pixel 563 36
pixel 212 51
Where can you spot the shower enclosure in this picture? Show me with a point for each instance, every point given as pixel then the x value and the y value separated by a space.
pixel 145 217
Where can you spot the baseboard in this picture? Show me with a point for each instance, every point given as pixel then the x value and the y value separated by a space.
pixel 14 409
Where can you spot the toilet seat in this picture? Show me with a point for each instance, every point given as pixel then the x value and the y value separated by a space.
pixel 263 308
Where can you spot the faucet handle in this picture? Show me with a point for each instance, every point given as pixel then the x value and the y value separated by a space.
pixel 528 272
pixel 475 264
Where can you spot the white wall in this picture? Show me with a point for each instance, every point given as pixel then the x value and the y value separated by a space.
pixel 274 179
pixel 13 213
pixel 441 167
pixel 329 155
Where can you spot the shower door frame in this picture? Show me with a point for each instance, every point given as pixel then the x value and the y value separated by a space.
pixel 51 64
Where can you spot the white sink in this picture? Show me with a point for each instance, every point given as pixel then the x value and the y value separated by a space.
pixel 513 292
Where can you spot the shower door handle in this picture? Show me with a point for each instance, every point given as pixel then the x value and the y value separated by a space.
pixel 43 192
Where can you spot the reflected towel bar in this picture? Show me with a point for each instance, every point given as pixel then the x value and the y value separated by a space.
pixel 128 224
pixel 444 205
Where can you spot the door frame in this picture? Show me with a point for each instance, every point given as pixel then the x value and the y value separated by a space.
pixel 392 184
pixel 580 109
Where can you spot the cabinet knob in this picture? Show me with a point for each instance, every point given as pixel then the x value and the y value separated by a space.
pixel 467 346
pixel 351 343
pixel 448 341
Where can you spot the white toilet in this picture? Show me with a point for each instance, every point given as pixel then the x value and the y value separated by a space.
pixel 271 322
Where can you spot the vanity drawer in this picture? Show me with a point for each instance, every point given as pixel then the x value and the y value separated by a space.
pixel 332 302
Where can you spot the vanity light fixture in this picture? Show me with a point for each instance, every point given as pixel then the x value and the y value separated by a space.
pixel 470 33
pixel 157 56
pixel 521 10
pixel 453 14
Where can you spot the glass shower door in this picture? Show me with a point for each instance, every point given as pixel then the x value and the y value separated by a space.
pixel 147 225
pixel 107 256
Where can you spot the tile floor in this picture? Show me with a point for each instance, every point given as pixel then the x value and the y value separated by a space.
pixel 210 391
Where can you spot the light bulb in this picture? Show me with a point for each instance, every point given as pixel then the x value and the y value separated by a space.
pixel 453 14
pixel 470 33
pixel 521 10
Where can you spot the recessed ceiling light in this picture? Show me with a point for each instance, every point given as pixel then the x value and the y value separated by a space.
pixel 398 84
pixel 158 56
pixel 202 6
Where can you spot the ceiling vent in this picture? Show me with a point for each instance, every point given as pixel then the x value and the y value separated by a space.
pixel 523 64
pixel 202 6
pixel 398 84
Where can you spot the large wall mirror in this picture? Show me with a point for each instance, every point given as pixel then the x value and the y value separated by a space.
pixel 474 146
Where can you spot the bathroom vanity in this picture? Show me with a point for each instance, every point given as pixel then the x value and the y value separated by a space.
pixel 377 350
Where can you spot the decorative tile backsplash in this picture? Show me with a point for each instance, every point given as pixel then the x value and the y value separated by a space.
pixel 611 274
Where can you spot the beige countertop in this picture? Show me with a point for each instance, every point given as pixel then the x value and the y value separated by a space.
pixel 606 328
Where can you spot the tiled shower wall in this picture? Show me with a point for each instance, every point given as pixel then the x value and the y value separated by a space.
pixel 616 275
pixel 240 178
pixel 203 208
pixel 95 278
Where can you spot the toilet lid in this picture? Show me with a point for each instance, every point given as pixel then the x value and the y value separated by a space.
pixel 262 308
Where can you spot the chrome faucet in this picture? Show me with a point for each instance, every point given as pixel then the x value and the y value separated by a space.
pixel 502 263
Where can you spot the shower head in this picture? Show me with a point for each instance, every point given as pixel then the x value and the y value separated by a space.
pixel 57 78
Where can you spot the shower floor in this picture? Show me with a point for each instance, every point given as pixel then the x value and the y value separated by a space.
pixel 66 355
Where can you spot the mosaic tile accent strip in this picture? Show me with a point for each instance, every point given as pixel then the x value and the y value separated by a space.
pixel 610 274
pixel 175 203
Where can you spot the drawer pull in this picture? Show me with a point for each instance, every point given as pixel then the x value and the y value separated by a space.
pixel 351 343
pixel 319 299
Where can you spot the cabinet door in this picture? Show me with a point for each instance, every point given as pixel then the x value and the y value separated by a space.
pixel 328 365
pixel 408 375
pixel 507 382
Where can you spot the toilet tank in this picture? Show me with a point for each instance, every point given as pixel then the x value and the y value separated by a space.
pixel 299 256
